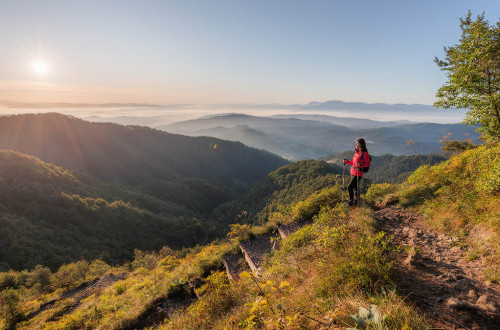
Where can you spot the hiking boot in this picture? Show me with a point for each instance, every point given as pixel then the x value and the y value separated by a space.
pixel 350 203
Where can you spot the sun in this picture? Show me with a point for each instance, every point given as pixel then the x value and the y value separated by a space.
pixel 40 67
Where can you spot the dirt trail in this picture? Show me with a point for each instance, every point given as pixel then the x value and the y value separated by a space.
pixel 78 294
pixel 451 290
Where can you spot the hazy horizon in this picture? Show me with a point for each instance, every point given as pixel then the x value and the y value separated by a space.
pixel 155 114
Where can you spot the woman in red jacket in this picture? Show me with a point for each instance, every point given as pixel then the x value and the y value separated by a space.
pixel 360 159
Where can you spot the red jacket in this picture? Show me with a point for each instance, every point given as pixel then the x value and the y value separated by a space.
pixel 357 162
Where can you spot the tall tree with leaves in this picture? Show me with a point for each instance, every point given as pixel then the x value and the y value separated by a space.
pixel 473 70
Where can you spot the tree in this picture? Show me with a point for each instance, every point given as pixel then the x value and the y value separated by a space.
pixel 9 305
pixel 473 70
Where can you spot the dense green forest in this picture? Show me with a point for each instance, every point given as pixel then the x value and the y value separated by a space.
pixel 290 184
pixel 51 216
pixel 390 168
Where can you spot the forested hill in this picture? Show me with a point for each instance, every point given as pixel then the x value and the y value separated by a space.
pixel 132 154
pixel 390 168
pixel 72 189
pixel 290 184
pixel 51 216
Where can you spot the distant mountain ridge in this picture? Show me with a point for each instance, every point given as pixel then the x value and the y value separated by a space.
pixel 337 105
pixel 235 119
pixel 331 104
pixel 350 122
pixel 314 136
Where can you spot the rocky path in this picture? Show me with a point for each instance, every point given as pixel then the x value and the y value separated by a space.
pixel 78 294
pixel 436 276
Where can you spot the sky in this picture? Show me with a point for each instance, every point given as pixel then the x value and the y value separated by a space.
pixel 228 51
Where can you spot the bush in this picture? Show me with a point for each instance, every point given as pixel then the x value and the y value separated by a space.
pixel 71 274
pixel 369 262
pixel 240 233
pixel 217 297
pixel 98 268
pixel 415 195
pixel 8 280
pixel 41 277
pixel 377 193
pixel 168 263
pixel 311 206
pixel 120 288
pixel 458 146
pixel 144 260
pixel 9 305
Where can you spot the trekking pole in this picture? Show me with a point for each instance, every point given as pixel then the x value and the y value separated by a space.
pixel 343 184
pixel 357 189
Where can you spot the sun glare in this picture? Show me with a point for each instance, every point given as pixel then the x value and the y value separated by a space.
pixel 40 67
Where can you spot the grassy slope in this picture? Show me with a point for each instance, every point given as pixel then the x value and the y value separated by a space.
pixel 460 196
pixel 321 275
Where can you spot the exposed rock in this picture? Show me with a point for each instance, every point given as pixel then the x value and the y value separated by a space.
pixel 290 228
pixel 472 295
pixel 161 313
pixel 255 251
pixel 275 245
pixel 234 264
pixel 458 303
pixel 485 303
pixel 443 237
pixel 413 258
pixel 461 285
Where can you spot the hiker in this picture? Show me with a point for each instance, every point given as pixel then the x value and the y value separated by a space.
pixel 360 161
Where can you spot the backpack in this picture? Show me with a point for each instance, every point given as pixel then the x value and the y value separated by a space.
pixel 365 169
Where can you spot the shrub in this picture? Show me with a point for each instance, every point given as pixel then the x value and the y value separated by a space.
pixel 9 305
pixel 8 280
pixel 217 297
pixel 168 263
pixel 71 274
pixel 415 195
pixel 376 193
pixel 458 146
pixel 368 262
pixel 120 288
pixel 144 260
pixel 98 268
pixel 311 206
pixel 41 276
pixel 240 233
pixel 301 237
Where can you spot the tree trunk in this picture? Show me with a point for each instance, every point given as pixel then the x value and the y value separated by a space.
pixel 497 112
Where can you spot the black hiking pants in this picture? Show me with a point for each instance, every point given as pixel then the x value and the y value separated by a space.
pixel 353 186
